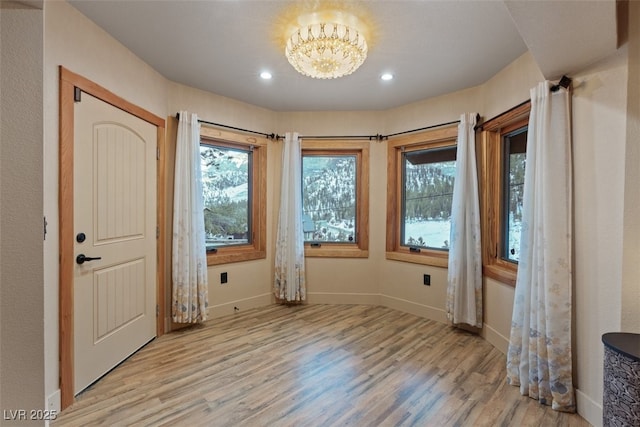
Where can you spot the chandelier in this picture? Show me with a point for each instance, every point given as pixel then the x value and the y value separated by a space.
pixel 327 49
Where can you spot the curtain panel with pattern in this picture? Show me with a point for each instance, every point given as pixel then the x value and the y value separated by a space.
pixel 539 356
pixel 189 262
pixel 289 282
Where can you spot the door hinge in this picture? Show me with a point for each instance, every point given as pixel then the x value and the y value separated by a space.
pixel 157 310
pixel 158 153
pixel 44 236
pixel 77 94
pixel 157 231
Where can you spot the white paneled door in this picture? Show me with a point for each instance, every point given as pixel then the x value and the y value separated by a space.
pixel 115 237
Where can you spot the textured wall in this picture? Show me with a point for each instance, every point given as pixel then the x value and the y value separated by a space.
pixel 599 139
pixel 21 247
pixel 630 316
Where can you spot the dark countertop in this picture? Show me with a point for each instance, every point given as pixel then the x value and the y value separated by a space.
pixel 623 342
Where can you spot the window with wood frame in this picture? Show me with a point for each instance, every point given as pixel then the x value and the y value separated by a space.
pixel 335 193
pixel 234 192
pixel 420 178
pixel 503 147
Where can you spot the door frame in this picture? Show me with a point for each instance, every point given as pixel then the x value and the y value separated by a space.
pixel 69 81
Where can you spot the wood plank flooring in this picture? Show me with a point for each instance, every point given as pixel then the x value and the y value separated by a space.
pixel 313 365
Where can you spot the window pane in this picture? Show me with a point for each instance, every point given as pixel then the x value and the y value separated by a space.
pixel 227 195
pixel 515 147
pixel 428 177
pixel 329 198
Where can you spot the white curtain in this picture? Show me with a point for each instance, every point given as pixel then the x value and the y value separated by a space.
pixel 289 283
pixel 464 289
pixel 539 356
pixel 189 266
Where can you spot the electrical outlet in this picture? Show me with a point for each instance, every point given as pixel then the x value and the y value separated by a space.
pixel 223 277
pixel 427 280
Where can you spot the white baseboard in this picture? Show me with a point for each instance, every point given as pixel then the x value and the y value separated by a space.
pixel 340 298
pixel 589 409
pixel 52 406
pixel 227 308
pixel 495 338
pixel 219 310
pixel 416 309
pixel 420 310
pixel 53 401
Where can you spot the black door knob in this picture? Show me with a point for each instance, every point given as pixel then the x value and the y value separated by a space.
pixel 81 259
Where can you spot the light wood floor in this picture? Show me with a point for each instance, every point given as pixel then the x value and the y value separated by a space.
pixel 315 365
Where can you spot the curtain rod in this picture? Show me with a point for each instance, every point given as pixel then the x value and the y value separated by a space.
pixel 369 137
pixel 266 135
pixel 564 82
pixel 379 137
pixel 429 127
pixel 455 122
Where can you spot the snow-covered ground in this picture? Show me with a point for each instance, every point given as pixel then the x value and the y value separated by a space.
pixel 434 233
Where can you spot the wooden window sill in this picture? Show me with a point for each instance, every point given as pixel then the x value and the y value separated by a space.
pixel 335 251
pixel 438 260
pixel 224 255
pixel 502 274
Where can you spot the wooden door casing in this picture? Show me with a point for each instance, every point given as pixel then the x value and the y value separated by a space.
pixel 70 83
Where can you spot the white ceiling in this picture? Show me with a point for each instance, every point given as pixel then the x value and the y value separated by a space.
pixel 432 47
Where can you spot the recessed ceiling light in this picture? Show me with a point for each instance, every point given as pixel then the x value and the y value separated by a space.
pixel 265 75
pixel 386 76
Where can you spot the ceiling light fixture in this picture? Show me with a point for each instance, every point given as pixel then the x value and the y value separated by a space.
pixel 265 75
pixel 386 76
pixel 327 45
